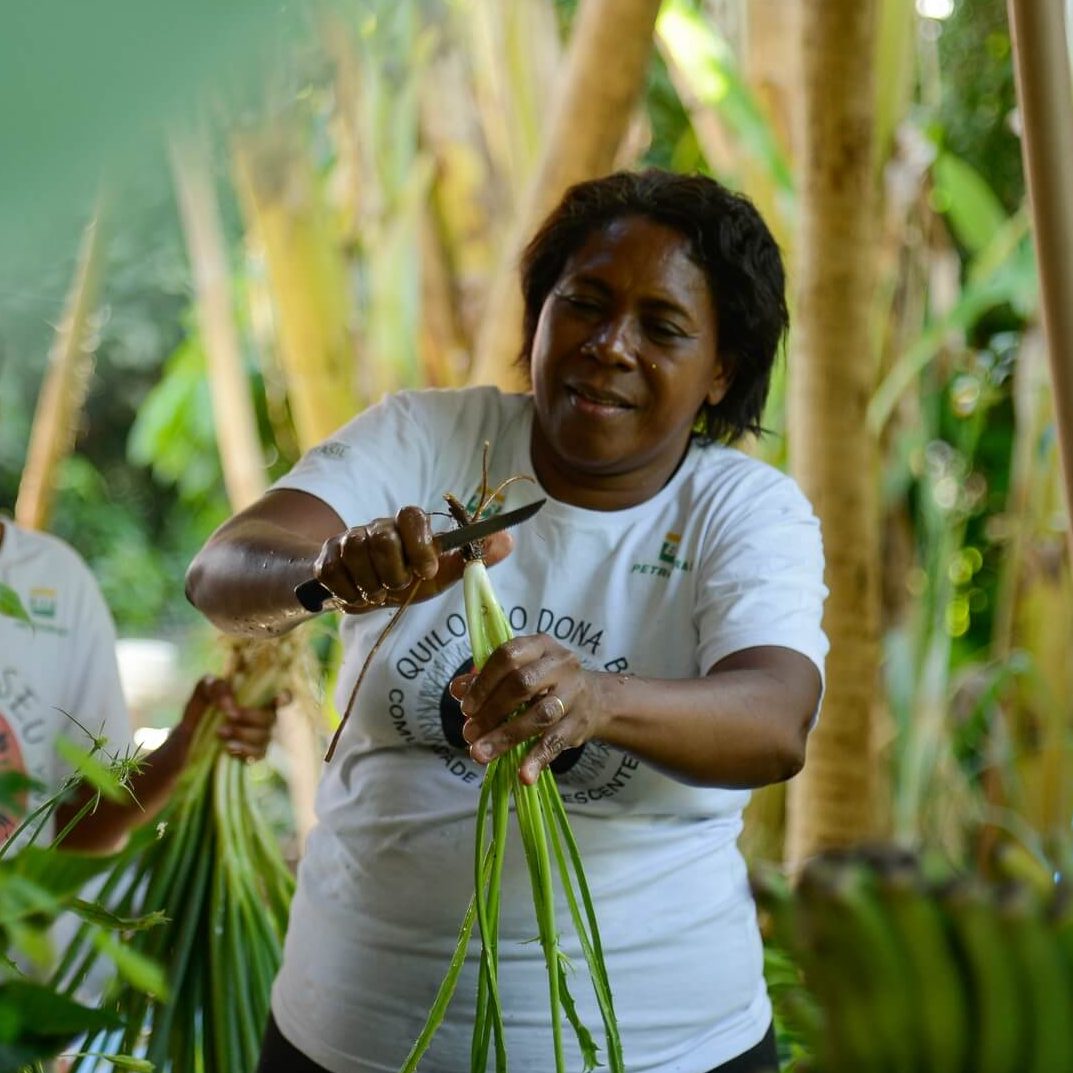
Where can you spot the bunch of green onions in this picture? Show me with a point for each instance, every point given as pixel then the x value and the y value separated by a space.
pixel 213 869
pixel 550 848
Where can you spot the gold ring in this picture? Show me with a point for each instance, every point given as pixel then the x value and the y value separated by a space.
pixel 562 707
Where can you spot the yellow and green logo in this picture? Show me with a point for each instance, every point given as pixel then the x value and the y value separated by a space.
pixel 43 602
pixel 668 559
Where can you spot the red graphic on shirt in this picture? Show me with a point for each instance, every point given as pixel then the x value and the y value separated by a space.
pixel 12 806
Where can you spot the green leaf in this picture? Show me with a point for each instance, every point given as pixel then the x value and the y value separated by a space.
pixel 120 1061
pixel 1003 248
pixel 21 898
pixel 11 605
pixel 100 776
pixel 174 431
pixel 43 1015
pixel 59 872
pixel 33 942
pixel 15 783
pixel 586 1044
pixel 139 971
pixel 972 208
pixel 97 914
pixel 9 1022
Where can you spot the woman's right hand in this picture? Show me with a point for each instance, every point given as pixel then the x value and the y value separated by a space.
pixel 377 564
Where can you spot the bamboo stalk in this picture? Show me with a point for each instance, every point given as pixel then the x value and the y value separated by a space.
pixel 1042 69
pixel 590 116
pixel 63 393
pixel 832 376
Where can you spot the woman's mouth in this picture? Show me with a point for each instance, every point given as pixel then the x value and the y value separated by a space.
pixel 597 403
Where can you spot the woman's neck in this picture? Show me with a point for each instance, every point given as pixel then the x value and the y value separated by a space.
pixel 597 491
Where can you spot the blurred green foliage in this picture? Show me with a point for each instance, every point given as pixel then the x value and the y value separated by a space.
pixel 978 102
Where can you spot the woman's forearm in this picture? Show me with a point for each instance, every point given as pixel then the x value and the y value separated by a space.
pixel 737 728
pixel 244 578
pixel 743 724
pixel 245 733
pixel 104 828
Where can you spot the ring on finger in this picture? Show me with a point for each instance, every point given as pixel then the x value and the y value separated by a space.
pixel 562 707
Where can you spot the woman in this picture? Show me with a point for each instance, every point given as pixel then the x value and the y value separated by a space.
pixel 668 656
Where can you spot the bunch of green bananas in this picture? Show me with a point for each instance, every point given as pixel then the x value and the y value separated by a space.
pixel 913 974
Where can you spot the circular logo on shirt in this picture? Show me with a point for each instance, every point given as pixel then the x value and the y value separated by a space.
pixel 451 719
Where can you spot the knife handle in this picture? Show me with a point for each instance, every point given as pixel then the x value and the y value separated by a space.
pixel 312 595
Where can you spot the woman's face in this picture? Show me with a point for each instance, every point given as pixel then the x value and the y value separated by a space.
pixel 623 358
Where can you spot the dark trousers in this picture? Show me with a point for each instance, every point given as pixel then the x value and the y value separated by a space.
pixel 279 1056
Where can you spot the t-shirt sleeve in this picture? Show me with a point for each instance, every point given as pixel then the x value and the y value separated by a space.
pixel 372 466
pixel 761 578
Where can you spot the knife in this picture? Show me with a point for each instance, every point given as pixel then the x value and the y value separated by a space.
pixel 313 595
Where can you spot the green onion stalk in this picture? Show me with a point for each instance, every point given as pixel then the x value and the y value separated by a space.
pixel 214 870
pixel 550 850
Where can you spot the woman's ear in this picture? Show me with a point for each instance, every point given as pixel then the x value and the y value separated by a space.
pixel 720 385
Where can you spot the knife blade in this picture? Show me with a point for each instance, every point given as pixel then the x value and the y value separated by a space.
pixel 312 594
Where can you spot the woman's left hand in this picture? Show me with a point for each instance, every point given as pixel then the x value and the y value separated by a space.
pixel 558 703
pixel 246 732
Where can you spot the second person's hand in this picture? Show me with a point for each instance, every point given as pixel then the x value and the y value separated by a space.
pixel 246 732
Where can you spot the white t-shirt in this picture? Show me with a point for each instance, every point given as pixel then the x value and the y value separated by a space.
pixel 725 557
pixel 61 670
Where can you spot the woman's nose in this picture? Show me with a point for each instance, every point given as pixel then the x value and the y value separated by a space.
pixel 615 342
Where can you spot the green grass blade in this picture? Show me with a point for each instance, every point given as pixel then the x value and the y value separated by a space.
pixel 586 926
pixel 530 819
pixel 445 992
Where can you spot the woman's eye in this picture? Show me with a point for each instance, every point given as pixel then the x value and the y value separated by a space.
pixel 663 330
pixel 581 303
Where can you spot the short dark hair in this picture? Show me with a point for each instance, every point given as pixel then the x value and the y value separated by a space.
pixel 729 241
